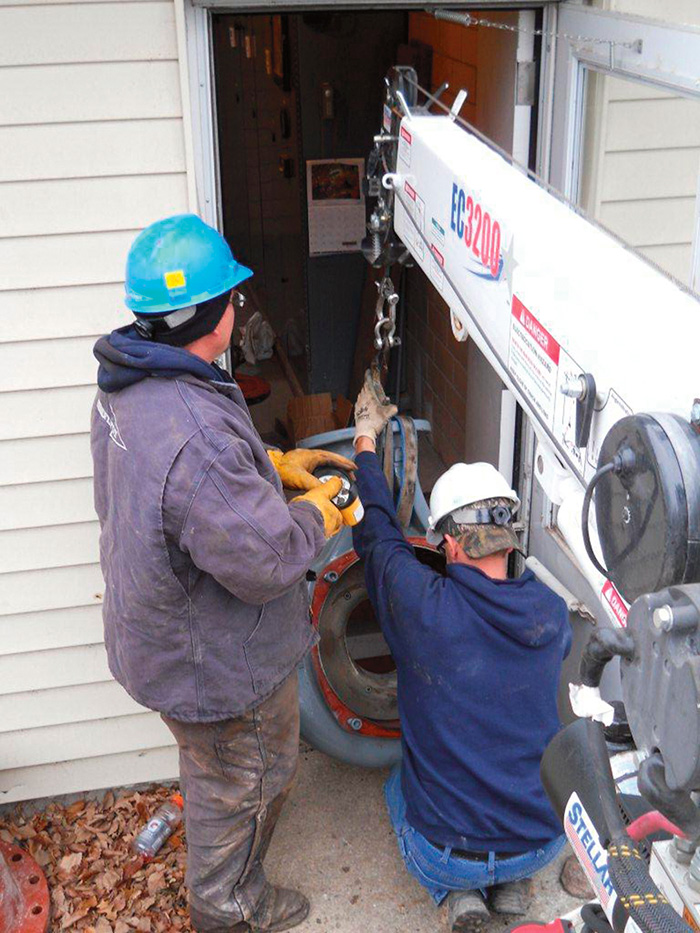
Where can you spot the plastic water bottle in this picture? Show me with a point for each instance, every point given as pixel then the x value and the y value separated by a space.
pixel 159 827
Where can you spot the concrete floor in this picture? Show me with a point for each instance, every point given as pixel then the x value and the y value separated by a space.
pixel 335 843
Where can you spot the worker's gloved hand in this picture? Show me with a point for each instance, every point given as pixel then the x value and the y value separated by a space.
pixel 321 496
pixel 296 467
pixel 373 410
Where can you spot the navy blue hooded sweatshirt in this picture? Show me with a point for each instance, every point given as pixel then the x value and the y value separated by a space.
pixel 478 663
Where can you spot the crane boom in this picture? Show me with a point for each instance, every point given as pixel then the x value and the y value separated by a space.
pixel 583 330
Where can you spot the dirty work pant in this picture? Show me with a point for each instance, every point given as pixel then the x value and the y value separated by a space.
pixel 235 776
pixel 441 872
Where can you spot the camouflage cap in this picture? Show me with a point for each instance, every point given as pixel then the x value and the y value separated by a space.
pixel 482 540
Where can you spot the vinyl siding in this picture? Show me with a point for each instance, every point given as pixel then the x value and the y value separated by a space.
pixel 641 168
pixel 679 12
pixel 92 148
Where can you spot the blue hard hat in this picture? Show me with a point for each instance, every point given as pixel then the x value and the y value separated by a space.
pixel 177 262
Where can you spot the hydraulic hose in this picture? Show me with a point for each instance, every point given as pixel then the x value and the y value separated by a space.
pixel 587 499
pixel 627 867
pixel 638 894
pixel 594 919
pixel 602 646
pixel 576 762
pixel 622 462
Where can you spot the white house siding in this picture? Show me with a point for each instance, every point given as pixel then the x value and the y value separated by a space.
pixel 641 168
pixel 92 148
pixel 679 12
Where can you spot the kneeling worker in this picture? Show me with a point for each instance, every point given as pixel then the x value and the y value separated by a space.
pixel 478 659
pixel 205 610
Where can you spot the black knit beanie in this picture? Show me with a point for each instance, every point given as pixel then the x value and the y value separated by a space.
pixel 178 328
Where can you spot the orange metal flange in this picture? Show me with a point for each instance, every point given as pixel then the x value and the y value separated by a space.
pixel 24 893
pixel 347 719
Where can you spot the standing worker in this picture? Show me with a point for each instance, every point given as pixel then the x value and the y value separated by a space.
pixel 205 608
pixel 478 659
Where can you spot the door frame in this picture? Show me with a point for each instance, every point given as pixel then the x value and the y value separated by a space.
pixel 198 49
pixel 650 51
pixel 667 57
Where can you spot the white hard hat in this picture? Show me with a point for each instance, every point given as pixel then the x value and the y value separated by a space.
pixel 462 485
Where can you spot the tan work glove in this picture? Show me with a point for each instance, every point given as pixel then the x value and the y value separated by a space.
pixel 373 410
pixel 321 496
pixel 296 467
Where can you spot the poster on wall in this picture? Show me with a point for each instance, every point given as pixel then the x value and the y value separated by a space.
pixel 336 205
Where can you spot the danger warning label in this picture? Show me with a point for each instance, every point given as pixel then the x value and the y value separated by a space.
pixel 533 360
pixel 615 602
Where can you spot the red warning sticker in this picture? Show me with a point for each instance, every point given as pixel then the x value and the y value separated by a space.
pixel 410 191
pixel 437 254
pixel 539 334
pixel 533 360
pixel 616 602
pixel 405 140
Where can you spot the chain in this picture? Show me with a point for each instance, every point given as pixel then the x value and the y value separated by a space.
pixel 466 19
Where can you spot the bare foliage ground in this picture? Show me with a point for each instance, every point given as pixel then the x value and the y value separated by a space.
pixel 97 885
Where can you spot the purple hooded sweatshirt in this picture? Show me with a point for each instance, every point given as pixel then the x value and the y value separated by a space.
pixel 206 605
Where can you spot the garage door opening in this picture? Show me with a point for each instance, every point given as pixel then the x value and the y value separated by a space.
pixel 299 99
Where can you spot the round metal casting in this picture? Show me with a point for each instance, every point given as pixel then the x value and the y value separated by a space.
pixel 24 893
pixel 366 693
pixel 362 700
pixel 649 516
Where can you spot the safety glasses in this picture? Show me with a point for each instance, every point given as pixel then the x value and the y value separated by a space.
pixel 236 298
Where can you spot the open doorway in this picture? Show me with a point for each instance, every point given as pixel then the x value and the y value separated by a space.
pixel 299 101
pixel 294 88
pixel 298 93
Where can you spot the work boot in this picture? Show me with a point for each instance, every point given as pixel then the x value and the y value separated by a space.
pixel 513 897
pixel 466 911
pixel 280 909
pixel 202 924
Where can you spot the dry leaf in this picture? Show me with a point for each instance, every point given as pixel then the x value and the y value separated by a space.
pixel 155 882
pixel 69 862
pixel 107 880
pixel 96 883
pixel 74 810
pixel 41 856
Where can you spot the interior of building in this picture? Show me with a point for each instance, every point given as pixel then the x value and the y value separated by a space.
pixel 293 143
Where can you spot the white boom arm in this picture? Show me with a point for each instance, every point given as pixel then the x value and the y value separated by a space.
pixel 548 297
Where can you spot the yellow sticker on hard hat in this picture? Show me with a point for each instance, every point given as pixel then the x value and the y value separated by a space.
pixel 175 279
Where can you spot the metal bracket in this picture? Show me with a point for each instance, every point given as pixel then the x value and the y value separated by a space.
pixel 525 83
pixel 458 104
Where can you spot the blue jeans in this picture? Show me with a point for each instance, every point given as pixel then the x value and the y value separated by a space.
pixel 439 871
